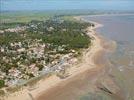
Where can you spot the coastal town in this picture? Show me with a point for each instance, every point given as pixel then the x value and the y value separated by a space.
pixel 35 49
pixel 66 49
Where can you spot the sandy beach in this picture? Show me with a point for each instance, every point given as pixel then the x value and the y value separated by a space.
pixel 91 65
pixel 47 87
pixel 66 49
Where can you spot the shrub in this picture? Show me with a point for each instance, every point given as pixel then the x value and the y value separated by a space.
pixel 2 83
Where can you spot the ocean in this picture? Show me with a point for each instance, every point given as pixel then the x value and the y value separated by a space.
pixel 121 30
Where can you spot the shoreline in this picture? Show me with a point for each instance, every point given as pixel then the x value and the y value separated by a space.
pixel 86 65
pixel 102 15
pixel 43 86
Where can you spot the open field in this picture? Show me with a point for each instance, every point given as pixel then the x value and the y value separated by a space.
pixel 26 16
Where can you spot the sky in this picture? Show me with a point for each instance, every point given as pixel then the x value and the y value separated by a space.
pixel 21 5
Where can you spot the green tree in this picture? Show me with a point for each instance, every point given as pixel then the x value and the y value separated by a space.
pixel 2 83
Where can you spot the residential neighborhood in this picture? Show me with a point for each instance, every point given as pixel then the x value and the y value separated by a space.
pixel 39 47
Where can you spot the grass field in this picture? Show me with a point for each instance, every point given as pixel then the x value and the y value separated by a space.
pixel 10 17
pixel 27 16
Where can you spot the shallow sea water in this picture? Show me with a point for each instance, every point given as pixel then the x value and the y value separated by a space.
pixel 121 30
